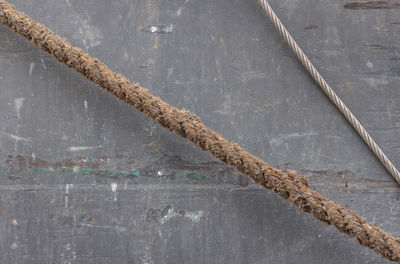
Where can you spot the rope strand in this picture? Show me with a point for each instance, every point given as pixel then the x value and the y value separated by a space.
pixel 184 123
pixel 329 91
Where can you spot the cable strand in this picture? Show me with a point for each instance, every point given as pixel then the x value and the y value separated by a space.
pixel 329 91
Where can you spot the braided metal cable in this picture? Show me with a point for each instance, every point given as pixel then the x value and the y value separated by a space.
pixel 329 91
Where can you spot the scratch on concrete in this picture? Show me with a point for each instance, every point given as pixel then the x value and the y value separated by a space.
pixel 279 140
pixel 116 227
pixel 43 64
pixel 81 148
pixel 371 5
pixel 31 68
pixel 14 137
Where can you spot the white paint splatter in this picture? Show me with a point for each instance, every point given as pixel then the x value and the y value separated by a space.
pixel 120 228
pixel 169 29
pixel 14 245
pixel 31 67
pixel 68 247
pixel 126 185
pixel 153 29
pixel 14 137
pixel 369 65
pixel 170 214
pixel 116 227
pixel 114 187
pixel 179 11
pixel 75 168
pixel 19 102
pixel 85 104
pixel 66 196
pixel 67 186
pixel 195 216
pixel 81 148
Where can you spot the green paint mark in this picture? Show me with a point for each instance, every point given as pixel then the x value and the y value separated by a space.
pixel 179 175
pixel 66 170
pixel 85 171
pixel 196 176
pixel 42 170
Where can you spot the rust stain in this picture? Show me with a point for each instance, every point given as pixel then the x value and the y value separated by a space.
pixel 371 5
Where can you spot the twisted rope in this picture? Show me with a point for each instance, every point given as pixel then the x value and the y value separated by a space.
pixel 184 123
pixel 329 91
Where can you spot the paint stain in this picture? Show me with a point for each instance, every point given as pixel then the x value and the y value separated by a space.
pixel 166 168
pixel 196 176
pixel 19 102
pixel 161 216
pixel 311 27
pixel 114 187
pixel 160 29
pixel 78 170
pixel 73 221
pixel 66 196
pixel 371 5
pixel 179 11
pixel 14 245
pixel 82 148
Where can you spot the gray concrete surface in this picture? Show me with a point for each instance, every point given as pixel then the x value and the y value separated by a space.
pixel 85 178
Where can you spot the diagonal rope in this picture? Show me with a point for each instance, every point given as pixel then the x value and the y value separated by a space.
pixel 184 123
pixel 329 91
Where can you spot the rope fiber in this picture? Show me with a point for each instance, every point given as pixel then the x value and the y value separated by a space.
pixel 184 123
pixel 329 91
